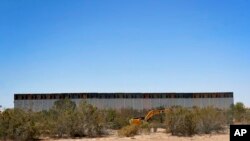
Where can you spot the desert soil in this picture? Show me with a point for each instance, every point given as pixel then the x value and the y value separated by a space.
pixel 160 135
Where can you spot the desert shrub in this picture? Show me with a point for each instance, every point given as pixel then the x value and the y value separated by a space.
pixel 44 122
pixel 128 131
pixel 145 127
pixel 114 119
pixel 88 121
pixel 240 113
pixel 67 120
pixel 187 122
pixel 210 119
pixel 17 124
pixel 62 117
pixel 230 115
pixel 181 121
pixel 248 116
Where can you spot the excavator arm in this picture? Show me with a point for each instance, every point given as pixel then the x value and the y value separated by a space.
pixel 149 115
pixel 152 113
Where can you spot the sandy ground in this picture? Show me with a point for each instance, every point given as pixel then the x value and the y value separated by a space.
pixel 160 135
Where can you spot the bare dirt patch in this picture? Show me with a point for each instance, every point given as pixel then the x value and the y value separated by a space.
pixel 160 135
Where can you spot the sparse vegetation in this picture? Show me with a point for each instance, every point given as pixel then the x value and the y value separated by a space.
pixel 181 121
pixel 66 119
pixel 240 113
pixel 187 122
pixel 63 120
pixel 128 131
pixel 16 124
pixel 210 120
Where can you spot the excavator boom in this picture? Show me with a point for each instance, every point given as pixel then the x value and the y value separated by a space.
pixel 149 115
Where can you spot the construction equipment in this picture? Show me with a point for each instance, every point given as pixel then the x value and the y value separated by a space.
pixel 149 115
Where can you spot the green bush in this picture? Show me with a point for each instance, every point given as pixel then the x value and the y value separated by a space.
pixel 17 124
pixel 71 121
pixel 187 122
pixel 114 119
pixel 240 114
pixel 248 116
pixel 211 119
pixel 88 121
pixel 63 120
pixel 128 131
pixel 62 117
pixel 181 121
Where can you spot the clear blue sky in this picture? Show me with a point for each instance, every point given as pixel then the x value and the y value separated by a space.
pixel 124 46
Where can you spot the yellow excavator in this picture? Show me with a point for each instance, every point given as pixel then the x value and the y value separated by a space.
pixel 149 115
